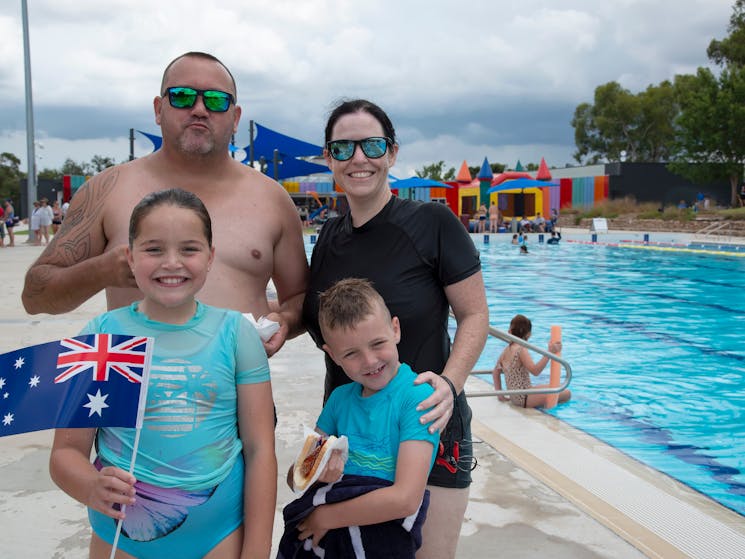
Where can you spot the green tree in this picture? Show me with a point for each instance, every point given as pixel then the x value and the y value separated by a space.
pixel 641 125
pixel 657 112
pixel 70 167
pixel 730 51
pixel 10 176
pixel 436 171
pixel 99 163
pixel 53 174
pixel 711 126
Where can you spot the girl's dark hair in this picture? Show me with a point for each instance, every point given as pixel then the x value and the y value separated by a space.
pixel 169 197
pixel 520 326
pixel 360 106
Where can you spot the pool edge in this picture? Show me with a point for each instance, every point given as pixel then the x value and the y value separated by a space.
pixel 657 514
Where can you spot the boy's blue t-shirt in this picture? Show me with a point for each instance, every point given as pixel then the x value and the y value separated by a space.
pixel 190 436
pixel 376 425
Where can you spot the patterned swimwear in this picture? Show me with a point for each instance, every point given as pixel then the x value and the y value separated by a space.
pixel 517 377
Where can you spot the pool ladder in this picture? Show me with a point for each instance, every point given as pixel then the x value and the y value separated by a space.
pixel 510 338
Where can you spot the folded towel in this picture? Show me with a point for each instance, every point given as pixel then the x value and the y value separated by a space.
pixel 388 540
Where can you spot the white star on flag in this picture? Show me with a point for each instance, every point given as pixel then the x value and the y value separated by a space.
pixel 34 382
pixel 19 363
pixel 2 382
pixel 97 403
pixel 8 419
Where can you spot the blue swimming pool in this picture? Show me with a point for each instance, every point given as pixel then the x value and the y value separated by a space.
pixel 656 340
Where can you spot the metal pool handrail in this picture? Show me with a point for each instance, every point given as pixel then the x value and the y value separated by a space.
pixel 510 338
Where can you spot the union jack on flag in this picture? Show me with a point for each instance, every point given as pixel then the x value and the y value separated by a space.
pixel 102 356
pixel 97 380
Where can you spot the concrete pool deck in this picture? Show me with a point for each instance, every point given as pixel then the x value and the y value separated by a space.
pixel 550 491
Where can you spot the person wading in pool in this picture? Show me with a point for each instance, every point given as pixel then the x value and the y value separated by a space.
pixel 516 365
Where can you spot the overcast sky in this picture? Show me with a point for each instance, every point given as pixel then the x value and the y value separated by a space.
pixel 461 80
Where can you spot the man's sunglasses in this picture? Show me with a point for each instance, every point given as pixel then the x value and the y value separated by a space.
pixel 185 97
pixel 343 150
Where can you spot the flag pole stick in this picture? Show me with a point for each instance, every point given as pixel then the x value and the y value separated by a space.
pixel 140 420
pixel 124 507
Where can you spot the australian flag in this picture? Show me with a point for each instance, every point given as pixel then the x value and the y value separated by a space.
pixel 98 380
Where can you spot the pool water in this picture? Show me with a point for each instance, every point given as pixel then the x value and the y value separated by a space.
pixel 656 340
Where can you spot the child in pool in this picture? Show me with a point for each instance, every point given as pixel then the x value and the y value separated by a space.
pixel 516 365
pixel 376 411
pixel 206 455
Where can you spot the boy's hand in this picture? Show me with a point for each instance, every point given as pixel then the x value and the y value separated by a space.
pixel 334 468
pixel 111 486
pixel 311 526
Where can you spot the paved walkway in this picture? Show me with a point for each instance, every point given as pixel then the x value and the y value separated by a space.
pixel 510 513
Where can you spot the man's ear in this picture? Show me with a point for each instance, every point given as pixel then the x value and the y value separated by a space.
pixel 237 119
pixel 157 104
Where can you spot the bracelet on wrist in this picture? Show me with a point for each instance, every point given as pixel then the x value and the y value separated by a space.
pixel 452 387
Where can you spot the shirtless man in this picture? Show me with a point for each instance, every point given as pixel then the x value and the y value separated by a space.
pixel 257 232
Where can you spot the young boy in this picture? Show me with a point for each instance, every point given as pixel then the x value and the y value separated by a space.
pixel 390 452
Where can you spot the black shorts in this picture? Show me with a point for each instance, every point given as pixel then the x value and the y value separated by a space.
pixel 456 450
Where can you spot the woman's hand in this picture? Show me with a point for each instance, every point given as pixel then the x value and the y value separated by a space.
pixel 111 486
pixel 554 347
pixel 440 403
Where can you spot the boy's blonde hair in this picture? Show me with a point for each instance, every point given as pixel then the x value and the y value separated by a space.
pixel 347 303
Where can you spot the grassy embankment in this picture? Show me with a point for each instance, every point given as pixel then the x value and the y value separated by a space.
pixel 613 209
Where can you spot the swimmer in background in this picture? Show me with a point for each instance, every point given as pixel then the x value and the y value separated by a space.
pixel 555 238
pixel 516 365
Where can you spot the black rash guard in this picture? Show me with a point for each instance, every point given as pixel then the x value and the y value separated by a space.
pixel 410 251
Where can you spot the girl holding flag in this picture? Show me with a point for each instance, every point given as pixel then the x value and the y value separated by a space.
pixel 204 459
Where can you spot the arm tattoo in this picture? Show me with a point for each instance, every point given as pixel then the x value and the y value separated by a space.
pixel 72 243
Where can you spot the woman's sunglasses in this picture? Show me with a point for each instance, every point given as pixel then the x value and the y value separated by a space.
pixel 343 150
pixel 185 97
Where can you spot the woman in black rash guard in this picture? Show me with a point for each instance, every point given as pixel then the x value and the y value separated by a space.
pixel 423 262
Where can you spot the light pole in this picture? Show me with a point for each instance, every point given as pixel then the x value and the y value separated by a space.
pixel 30 154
